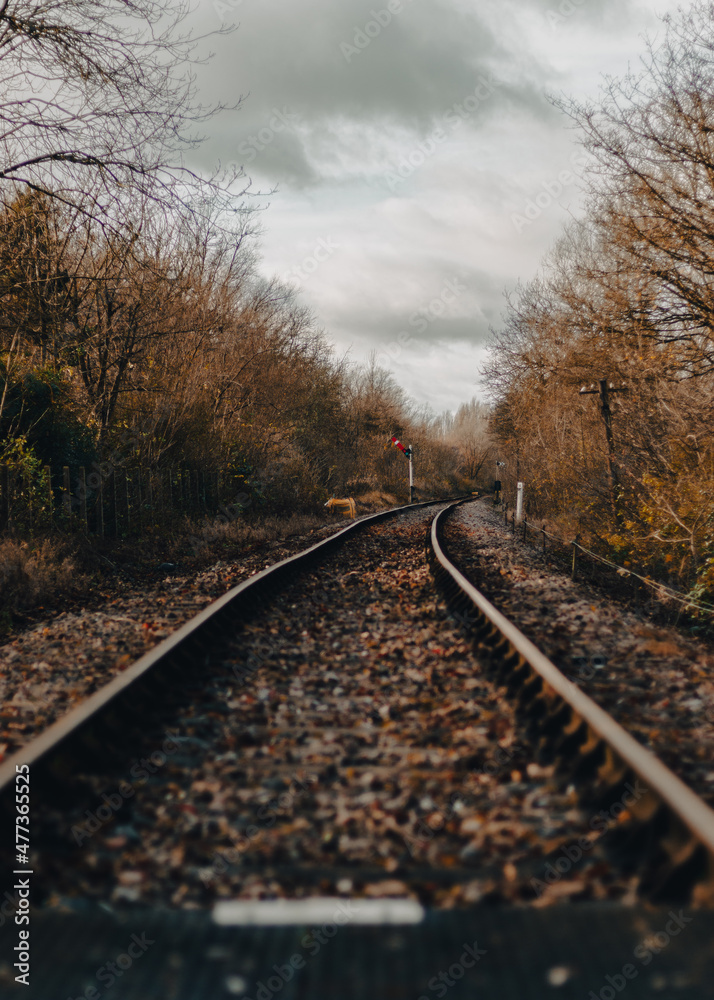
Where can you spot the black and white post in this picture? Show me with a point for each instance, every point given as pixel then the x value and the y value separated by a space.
pixel 519 503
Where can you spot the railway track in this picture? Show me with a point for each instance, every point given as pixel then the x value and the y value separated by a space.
pixel 86 728
pixel 671 831
pixel 323 730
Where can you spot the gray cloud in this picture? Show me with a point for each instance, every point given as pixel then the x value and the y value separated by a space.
pixel 606 14
pixel 371 144
pixel 350 90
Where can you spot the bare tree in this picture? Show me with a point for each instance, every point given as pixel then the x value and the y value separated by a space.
pixel 651 139
pixel 472 437
pixel 98 102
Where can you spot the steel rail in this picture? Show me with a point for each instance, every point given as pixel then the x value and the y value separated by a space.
pixel 102 714
pixel 673 825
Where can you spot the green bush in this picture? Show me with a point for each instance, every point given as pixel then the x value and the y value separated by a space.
pixel 38 407
pixel 31 502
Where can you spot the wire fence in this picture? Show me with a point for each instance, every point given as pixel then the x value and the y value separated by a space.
pixel 111 502
pixel 622 581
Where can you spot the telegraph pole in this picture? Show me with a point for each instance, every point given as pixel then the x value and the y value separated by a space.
pixel 604 390
pixel 497 483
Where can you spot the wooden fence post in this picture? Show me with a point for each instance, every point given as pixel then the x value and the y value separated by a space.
pixel 196 497
pixel 66 492
pixel 114 504
pixel 150 497
pixel 100 507
pixel 4 498
pixel 83 498
pixel 27 491
pixel 128 501
pixel 140 512
pixel 160 499
pixel 47 470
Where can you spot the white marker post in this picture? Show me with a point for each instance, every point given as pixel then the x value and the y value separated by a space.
pixel 519 503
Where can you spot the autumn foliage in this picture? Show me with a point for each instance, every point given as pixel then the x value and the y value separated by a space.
pixel 626 296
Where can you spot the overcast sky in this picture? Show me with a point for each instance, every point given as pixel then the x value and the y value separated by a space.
pixel 406 139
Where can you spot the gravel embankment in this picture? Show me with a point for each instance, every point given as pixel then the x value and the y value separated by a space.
pixel 345 742
pixel 56 664
pixel 656 682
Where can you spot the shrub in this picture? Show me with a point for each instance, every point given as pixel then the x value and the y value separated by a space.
pixel 31 574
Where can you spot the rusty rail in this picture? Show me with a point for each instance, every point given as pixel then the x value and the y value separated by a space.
pixel 670 828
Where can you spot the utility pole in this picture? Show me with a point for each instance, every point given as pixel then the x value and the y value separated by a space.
pixel 604 390
pixel 497 485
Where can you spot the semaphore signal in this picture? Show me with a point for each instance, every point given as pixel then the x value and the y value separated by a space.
pixel 408 451
pixel 398 443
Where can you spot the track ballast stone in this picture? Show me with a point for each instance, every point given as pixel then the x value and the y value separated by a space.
pixel 657 683
pixel 344 742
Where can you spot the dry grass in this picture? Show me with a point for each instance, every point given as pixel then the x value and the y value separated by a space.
pixel 376 500
pixel 224 534
pixel 34 572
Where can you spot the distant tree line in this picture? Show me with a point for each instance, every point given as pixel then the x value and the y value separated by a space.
pixel 133 322
pixel 626 297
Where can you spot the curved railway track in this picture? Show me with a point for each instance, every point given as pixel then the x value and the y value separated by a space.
pixel 666 834
pixel 671 832
pixel 326 729
pixel 90 726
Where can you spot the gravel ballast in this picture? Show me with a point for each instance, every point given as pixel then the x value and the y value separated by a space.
pixel 656 682
pixel 346 742
pixel 56 663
